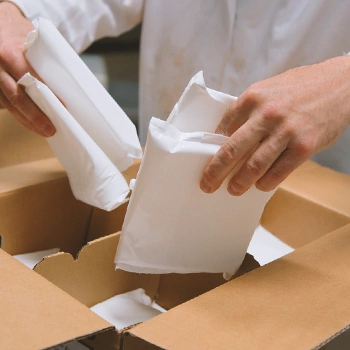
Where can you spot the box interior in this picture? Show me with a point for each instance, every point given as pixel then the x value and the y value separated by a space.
pixel 299 302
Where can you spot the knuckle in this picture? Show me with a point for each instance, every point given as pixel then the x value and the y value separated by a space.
pixel 264 186
pixel 16 99
pixel 254 167
pixel 271 113
pixel 228 153
pixel 251 95
pixel 275 175
pixel 209 175
pixel 304 148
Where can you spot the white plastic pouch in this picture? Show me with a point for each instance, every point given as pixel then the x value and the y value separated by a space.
pixel 171 226
pixel 93 178
pixel 95 140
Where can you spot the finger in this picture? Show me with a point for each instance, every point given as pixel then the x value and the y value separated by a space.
pixel 16 65
pixel 20 117
pixel 280 169
pixel 22 102
pixel 257 165
pixel 232 120
pixel 230 154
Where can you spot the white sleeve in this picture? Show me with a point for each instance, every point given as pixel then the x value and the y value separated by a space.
pixel 83 21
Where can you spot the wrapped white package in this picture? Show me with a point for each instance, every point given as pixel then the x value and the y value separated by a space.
pixel 125 310
pixel 95 128
pixel 85 98
pixel 171 225
pixel 93 178
pixel 31 259
pixel 265 247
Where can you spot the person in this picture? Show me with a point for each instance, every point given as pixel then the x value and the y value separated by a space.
pixel 284 59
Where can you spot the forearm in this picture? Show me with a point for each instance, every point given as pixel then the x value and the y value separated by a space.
pixel 83 21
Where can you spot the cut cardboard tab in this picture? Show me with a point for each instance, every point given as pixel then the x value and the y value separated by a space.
pixel 92 278
pixel 310 203
pixel 272 306
pixel 37 315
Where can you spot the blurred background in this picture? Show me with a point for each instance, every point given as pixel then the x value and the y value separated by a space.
pixel 115 62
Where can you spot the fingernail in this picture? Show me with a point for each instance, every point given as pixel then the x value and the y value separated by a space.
pixel 49 130
pixel 204 186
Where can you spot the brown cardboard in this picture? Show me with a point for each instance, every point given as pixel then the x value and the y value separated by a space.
pixel 19 145
pixel 104 223
pixel 189 286
pixel 310 203
pixel 38 210
pixel 92 278
pixel 35 314
pixel 297 302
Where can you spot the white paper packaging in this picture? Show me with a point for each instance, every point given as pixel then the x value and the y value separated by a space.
pixel 127 309
pixel 171 225
pixel 95 140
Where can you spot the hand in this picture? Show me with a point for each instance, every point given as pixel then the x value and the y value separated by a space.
pixel 279 123
pixel 14 28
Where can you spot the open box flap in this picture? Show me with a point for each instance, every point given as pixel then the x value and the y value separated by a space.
pixel 35 314
pixel 92 277
pixel 29 174
pixel 21 145
pixel 308 179
pixel 297 302
pixel 310 203
pixel 43 216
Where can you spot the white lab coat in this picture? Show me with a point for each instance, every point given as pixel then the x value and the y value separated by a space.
pixel 234 42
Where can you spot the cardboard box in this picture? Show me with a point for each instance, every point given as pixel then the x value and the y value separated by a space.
pixel 37 208
pixel 35 314
pixel 297 302
pixel 92 278
pixel 310 203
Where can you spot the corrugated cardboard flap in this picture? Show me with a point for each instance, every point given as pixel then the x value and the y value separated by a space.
pixel 35 314
pixel 18 144
pixel 297 302
pixel 92 277
pixel 310 203
pixel 22 176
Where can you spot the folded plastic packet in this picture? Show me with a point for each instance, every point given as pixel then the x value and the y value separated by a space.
pixel 95 139
pixel 171 226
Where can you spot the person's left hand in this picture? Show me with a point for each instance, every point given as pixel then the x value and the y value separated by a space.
pixel 279 123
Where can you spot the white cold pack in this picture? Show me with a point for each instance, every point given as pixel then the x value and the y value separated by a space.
pixel 93 178
pixel 94 127
pixel 171 226
pixel 127 309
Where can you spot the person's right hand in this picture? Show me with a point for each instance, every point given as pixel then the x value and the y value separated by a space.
pixel 14 28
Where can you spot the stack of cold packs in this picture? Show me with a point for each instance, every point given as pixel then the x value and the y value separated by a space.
pixel 171 225
pixel 95 140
